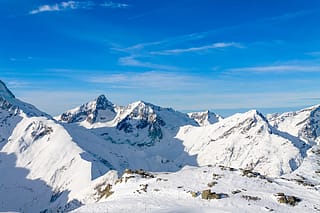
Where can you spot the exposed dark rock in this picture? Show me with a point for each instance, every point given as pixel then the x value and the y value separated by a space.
pixel 106 192
pixel 249 197
pixel 291 200
pixel 213 183
pixel 208 195
pixel 236 191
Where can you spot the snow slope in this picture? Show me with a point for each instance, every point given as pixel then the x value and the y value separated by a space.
pixel 304 124
pixel 238 191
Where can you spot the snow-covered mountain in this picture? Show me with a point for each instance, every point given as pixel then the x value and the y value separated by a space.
pixel 245 141
pixel 41 167
pixel 304 124
pixel 99 110
pixel 138 124
pixel 55 165
pixel 140 135
pixel 205 118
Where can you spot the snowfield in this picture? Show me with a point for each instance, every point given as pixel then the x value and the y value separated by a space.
pixel 100 157
pixel 182 192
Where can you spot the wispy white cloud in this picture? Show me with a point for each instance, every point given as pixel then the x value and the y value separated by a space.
pixel 139 51
pixel 151 79
pixel 111 4
pixel 134 62
pixel 176 40
pixel 75 5
pixel 218 45
pixel 67 5
pixel 279 68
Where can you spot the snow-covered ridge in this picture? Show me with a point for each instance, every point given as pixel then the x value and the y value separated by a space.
pixel 244 141
pixel 139 123
pixel 10 103
pixel 5 92
pixel 55 165
pixel 42 167
pixel 304 123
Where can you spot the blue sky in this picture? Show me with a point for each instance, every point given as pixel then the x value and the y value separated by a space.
pixel 190 55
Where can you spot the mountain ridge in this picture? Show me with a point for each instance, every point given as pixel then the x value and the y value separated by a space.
pixel 78 157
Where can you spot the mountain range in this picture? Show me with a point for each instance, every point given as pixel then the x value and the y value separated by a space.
pixel 102 157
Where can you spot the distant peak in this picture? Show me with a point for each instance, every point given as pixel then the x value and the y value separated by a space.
pixel 101 98
pixel 255 113
pixel 4 91
pixel 103 103
pixel 141 102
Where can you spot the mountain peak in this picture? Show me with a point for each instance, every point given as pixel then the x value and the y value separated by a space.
pixel 4 91
pixel 100 109
pixel 102 103
pixel 205 118
pixel 141 102
pixel 255 113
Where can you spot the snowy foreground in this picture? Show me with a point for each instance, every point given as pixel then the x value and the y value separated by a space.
pixel 237 191
pixel 100 157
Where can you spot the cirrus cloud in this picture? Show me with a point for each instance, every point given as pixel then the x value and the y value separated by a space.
pixel 218 45
pixel 279 68
pixel 75 5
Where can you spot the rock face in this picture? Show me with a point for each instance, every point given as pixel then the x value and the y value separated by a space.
pixel 205 118
pixel 143 117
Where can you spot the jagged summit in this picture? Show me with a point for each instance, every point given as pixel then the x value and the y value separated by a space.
pixel 139 123
pixel 255 114
pixel 4 91
pixel 100 109
pixel 102 103
pixel 205 118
